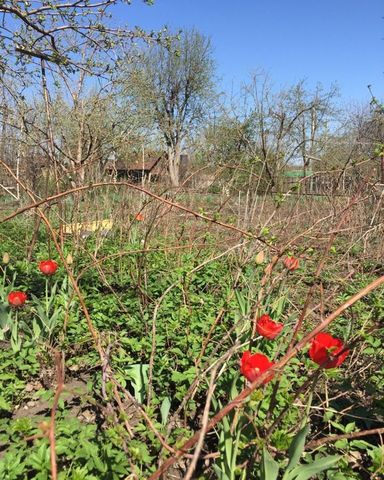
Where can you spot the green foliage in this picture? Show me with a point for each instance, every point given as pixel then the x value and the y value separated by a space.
pixel 294 470
pixel 92 441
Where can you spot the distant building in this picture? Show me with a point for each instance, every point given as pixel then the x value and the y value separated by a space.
pixel 151 169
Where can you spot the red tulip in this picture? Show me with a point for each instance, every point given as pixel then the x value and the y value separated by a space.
pixel 291 263
pixel 48 267
pixel 252 366
pixel 139 217
pixel 325 351
pixel 267 328
pixel 17 299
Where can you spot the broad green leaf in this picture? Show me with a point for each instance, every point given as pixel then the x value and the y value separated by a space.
pixel 341 443
pixel 221 475
pixel 138 374
pixel 350 427
pixel 15 344
pixel 269 466
pixel 243 304
pixel 234 391
pixel 297 447
pixel 4 316
pixel 36 329
pixel 164 410
pixel 306 472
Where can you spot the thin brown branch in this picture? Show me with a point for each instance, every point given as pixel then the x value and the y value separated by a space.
pixel 344 436
pixel 204 425
pixel 51 432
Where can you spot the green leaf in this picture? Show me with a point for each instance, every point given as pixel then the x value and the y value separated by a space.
pixel 269 467
pixel 350 427
pixel 4 405
pixel 164 410
pixel 242 303
pixel 341 443
pixel 36 329
pixel 278 307
pixel 306 472
pixel 297 447
pixel 15 330
pixel 234 390
pixel 220 473
pixel 361 444
pixel 138 375
pixel 15 344
pixel 337 425
pixel 4 316
pixel 235 453
pixel 228 441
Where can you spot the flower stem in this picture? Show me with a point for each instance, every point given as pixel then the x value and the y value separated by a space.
pixel 46 298
pixel 310 397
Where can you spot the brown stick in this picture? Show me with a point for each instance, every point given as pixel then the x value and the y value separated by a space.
pixel 344 436
pixel 51 431
pixel 278 366
pixel 204 424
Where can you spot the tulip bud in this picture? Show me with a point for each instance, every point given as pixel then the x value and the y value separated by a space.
pixel 259 259
pixel 44 427
pixel 69 259
pixel 6 258
pixel 268 269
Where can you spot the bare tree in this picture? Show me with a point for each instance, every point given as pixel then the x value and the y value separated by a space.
pixel 172 88
pixel 36 31
pixel 288 126
pixel 61 48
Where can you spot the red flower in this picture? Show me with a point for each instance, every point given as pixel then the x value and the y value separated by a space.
pixel 291 263
pixel 252 366
pixel 139 217
pixel 17 299
pixel 325 351
pixel 48 267
pixel 267 328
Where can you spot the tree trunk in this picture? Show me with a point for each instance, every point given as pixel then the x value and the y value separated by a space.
pixel 174 165
pixel 81 175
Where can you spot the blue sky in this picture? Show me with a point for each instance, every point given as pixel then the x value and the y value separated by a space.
pixel 326 41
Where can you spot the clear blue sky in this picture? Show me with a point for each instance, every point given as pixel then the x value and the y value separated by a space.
pixel 327 41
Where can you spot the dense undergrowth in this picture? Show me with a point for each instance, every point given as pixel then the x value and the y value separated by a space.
pixel 168 319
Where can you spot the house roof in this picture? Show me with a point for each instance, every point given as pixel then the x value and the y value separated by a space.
pixel 152 165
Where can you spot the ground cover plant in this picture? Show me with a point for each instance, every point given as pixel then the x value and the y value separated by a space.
pixel 146 353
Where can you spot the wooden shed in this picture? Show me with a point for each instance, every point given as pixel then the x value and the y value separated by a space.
pixel 151 169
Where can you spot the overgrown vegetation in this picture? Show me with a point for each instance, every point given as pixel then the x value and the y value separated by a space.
pixel 223 320
pixel 171 318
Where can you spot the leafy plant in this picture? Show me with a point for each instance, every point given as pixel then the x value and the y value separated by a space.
pixel 293 470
